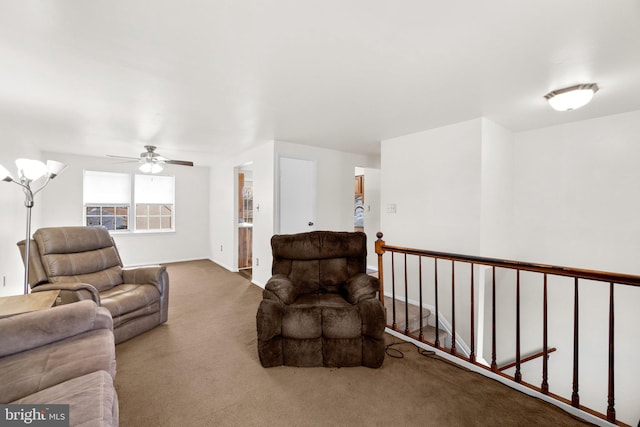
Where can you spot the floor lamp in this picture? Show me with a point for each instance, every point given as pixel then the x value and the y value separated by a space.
pixel 30 171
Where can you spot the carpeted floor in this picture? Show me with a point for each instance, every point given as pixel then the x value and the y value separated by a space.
pixel 202 369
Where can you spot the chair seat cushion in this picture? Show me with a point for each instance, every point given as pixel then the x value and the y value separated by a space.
pixel 123 299
pixel 91 398
pixel 321 315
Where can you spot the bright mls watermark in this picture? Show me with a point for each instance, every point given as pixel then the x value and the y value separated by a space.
pixel 34 415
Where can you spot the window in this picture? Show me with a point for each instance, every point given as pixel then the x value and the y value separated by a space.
pixel 154 202
pixel 108 200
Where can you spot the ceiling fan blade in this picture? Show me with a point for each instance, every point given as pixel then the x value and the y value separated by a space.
pixel 124 157
pixel 179 162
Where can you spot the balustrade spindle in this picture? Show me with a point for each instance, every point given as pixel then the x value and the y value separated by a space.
pixel 611 412
pixel 472 354
pixel 518 374
pixel 394 325
pixel 575 397
pixel 545 354
pixel 421 335
pixel 406 298
pixel 437 342
pixel 494 365
pixel 453 307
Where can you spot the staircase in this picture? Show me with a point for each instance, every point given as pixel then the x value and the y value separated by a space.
pixel 428 331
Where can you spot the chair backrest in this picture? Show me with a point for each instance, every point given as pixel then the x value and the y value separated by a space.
pixel 76 254
pixel 319 261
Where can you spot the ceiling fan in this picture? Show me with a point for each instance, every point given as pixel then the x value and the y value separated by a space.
pixel 152 162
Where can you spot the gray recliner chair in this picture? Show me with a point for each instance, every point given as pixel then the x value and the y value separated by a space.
pixel 83 263
pixel 320 308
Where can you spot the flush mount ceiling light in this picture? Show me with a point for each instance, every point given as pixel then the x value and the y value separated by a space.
pixel 571 98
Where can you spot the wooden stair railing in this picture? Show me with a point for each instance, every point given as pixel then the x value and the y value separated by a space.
pixel 577 274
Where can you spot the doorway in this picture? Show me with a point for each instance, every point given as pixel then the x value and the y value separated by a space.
pixel 366 209
pixel 244 215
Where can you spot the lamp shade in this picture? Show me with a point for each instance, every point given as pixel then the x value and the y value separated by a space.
pixel 5 175
pixel 31 169
pixel 571 98
pixel 148 167
pixel 55 168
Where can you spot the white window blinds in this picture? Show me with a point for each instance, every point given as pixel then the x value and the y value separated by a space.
pixel 106 188
pixel 154 189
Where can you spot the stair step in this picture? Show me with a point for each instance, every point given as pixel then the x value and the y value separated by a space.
pixel 428 331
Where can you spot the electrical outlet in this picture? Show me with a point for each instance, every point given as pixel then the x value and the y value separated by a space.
pixel 257 262
pixel 4 281
pixel 220 248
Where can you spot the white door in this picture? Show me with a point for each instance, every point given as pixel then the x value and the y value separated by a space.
pixel 297 208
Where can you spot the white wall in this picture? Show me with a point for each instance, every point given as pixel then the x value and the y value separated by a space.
pixel 577 193
pixel 13 213
pixel 63 205
pixel 433 179
pixel 496 202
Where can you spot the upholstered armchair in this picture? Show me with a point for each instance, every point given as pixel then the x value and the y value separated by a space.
pixel 320 308
pixel 83 263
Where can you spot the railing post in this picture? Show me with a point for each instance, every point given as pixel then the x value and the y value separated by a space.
pixel 380 252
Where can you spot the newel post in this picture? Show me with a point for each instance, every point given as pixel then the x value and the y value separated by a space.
pixel 380 251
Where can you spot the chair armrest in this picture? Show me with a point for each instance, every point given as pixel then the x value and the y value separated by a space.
pixel 152 274
pixel 360 287
pixel 283 288
pixel 71 291
pixel 37 328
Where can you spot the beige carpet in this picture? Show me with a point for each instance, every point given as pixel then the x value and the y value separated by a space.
pixel 202 369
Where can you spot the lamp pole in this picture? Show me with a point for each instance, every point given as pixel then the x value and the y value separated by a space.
pixel 50 171
pixel 28 203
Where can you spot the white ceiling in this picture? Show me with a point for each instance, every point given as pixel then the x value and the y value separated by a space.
pixel 218 76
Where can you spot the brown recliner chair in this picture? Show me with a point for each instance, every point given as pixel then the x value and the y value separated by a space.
pixel 320 308
pixel 83 262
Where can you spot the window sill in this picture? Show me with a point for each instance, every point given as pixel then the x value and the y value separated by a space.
pixel 139 232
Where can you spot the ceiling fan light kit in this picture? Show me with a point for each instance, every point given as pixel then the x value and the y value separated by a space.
pixel 152 162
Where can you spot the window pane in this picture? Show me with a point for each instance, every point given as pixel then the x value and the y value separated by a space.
pixel 165 221
pixel 142 210
pixel 154 223
pixel 166 209
pixel 122 223
pixel 93 210
pixel 154 209
pixel 122 211
pixel 93 220
pixel 109 222
pixel 108 210
pixel 142 223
